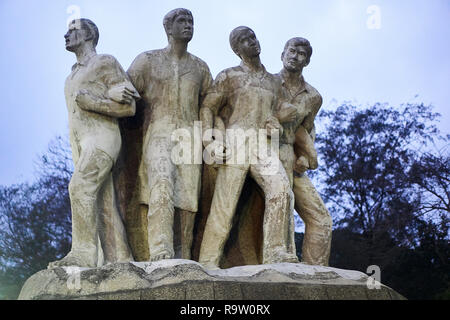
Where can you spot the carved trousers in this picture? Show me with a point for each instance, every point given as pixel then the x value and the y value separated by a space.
pixel 162 174
pixel 278 210
pixel 318 223
pixel 95 217
pixel 309 205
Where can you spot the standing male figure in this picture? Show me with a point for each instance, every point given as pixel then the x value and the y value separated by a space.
pixel 171 82
pixel 299 132
pixel 98 92
pixel 247 95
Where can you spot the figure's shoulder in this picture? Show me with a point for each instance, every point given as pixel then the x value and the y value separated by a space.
pixel 311 89
pixel 104 60
pixel 101 63
pixel 148 57
pixel 153 54
pixel 199 62
pixel 226 74
pixel 314 93
pixel 275 77
pixel 232 72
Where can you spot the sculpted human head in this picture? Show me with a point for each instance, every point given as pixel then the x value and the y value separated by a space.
pixel 244 43
pixel 81 31
pixel 296 54
pixel 179 24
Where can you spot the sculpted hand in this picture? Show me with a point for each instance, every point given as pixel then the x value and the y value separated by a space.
pixel 220 153
pixel 217 152
pixel 288 113
pixel 123 94
pixel 272 124
pixel 313 162
pixel 301 165
pixel 214 142
pixel 207 140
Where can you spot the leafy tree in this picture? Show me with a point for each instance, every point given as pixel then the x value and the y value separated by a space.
pixel 424 271
pixel 35 220
pixel 431 175
pixel 384 188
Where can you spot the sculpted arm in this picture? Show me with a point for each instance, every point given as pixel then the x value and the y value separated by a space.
pixel 87 101
pixel 137 71
pixel 210 106
pixel 213 101
pixel 116 98
pixel 315 104
pixel 305 151
pixel 304 148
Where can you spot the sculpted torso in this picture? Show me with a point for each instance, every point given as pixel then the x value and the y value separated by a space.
pixel 87 128
pixel 248 98
pixel 170 89
pixel 171 82
pixel 307 100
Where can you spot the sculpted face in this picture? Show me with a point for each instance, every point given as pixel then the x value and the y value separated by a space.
pixel 75 36
pixel 183 27
pixel 248 44
pixel 294 58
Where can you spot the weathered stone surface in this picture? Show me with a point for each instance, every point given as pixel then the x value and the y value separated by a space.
pixel 159 195
pixel 245 99
pixel 98 92
pixel 188 280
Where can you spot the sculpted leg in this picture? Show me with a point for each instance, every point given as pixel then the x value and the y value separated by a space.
pixel 161 180
pixel 184 233
pixel 287 157
pixel 277 215
pixel 91 171
pixel 318 222
pixel 112 230
pixel 160 221
pixel 229 183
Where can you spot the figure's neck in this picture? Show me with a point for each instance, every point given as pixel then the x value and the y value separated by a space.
pixel 293 79
pixel 178 49
pixel 85 52
pixel 253 63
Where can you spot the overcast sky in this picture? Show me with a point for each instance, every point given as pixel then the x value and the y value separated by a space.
pixel 366 51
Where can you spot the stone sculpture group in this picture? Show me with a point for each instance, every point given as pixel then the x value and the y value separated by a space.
pixel 163 154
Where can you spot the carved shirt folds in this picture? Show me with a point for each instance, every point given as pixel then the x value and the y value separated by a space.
pixel 171 90
pixel 97 74
pixel 171 93
pixel 244 98
pixel 307 100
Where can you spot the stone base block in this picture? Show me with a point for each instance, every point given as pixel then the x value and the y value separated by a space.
pixel 189 280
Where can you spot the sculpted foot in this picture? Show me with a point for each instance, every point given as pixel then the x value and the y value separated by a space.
pixel 281 257
pixel 74 259
pixel 186 253
pixel 210 266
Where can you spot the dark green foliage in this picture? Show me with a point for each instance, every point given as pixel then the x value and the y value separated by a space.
pixel 298 244
pixel 388 194
pixel 35 220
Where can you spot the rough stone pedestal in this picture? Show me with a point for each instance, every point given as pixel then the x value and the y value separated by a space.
pixel 188 280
